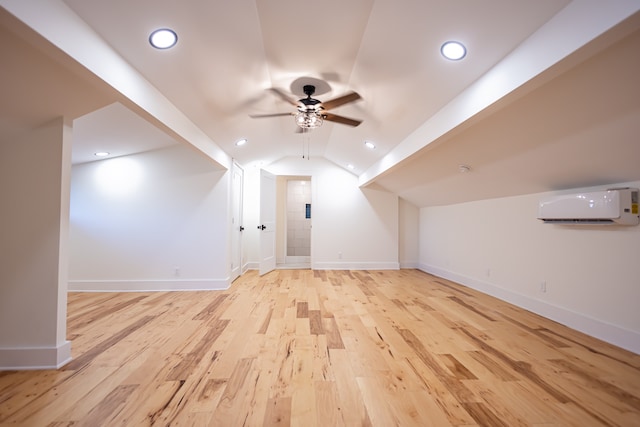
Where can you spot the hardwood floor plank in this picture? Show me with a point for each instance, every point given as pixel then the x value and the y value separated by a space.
pixel 265 323
pixel 328 407
pixel 453 385
pixel 616 393
pixel 229 410
pixel 284 367
pixel 358 341
pixel 98 311
pixel 321 362
pixel 87 357
pixel 161 402
pixel 354 413
pixel 620 374
pixel 377 406
pixel 212 391
pixel 472 308
pixel 230 346
pixel 524 403
pixel 109 408
pixel 303 406
pixel 302 310
pixel 522 368
pixel 492 366
pixel 210 311
pixel 315 322
pixel 47 407
pixel 21 389
pixel 332 332
pixel 428 412
pixel 278 412
pixel 458 370
pixel 188 362
pixel 448 402
pixel 484 416
pixel 338 348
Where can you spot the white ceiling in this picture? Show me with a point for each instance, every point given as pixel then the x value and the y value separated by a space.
pixel 575 124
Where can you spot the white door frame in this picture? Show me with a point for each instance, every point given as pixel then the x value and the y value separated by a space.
pixel 267 223
pixel 237 182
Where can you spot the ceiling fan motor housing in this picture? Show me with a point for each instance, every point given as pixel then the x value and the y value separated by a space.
pixel 309 103
pixel 309 90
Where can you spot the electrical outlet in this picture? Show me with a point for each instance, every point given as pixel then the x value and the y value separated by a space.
pixel 176 271
pixel 488 272
pixel 543 286
pixel 339 255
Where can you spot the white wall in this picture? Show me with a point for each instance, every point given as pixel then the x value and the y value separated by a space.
pixel 156 220
pixel 34 183
pixel 592 273
pixel 353 228
pixel 409 241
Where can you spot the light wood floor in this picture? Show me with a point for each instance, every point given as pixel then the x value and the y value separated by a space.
pixel 301 347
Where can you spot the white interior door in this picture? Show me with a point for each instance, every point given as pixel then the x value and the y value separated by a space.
pixel 236 221
pixel 267 224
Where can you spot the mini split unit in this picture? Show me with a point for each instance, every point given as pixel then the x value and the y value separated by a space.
pixel 615 206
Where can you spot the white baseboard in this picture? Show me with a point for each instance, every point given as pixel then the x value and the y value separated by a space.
pixel 342 266
pixel 629 340
pixel 251 266
pixel 410 265
pixel 19 359
pixel 355 265
pixel 148 285
pixel 296 259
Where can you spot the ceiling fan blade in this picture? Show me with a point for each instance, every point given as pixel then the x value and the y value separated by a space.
pixel 280 94
pixel 261 116
pixel 341 100
pixel 341 119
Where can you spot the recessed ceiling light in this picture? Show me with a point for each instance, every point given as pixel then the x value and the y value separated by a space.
pixel 101 154
pixel 163 38
pixel 350 166
pixel 453 50
pixel 370 145
pixel 241 142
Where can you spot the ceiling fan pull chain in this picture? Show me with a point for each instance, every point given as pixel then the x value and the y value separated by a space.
pixel 305 138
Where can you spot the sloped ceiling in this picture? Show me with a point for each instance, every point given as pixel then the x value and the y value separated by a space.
pixel 572 121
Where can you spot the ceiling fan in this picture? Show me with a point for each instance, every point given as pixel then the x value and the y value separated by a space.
pixel 312 112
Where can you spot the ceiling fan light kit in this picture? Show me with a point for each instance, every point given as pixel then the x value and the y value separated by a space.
pixel 309 119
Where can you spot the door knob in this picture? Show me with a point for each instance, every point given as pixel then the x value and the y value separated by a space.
pixel 241 228
pixel 261 227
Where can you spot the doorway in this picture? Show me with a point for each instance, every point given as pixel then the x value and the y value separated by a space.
pixel 294 218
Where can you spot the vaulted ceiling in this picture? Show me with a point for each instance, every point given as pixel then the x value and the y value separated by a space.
pixel 546 98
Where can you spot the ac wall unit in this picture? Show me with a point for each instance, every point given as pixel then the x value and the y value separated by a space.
pixel 614 206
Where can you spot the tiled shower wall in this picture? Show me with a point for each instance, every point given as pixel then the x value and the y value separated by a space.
pixel 298 227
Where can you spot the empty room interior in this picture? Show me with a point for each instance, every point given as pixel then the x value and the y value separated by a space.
pixel 257 213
